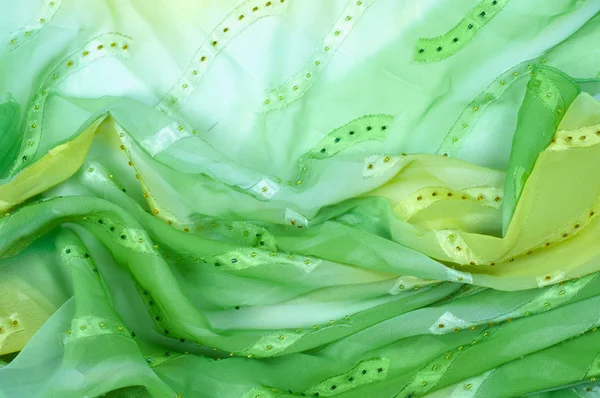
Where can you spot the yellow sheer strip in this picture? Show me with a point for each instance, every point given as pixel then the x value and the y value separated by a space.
pixel 56 166
pixel 445 202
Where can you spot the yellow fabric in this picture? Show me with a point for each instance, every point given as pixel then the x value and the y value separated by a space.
pixel 24 309
pixel 560 203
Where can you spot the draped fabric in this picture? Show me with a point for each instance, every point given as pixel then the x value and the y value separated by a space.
pixel 264 199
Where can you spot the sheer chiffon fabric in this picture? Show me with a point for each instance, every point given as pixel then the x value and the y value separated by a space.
pixel 289 198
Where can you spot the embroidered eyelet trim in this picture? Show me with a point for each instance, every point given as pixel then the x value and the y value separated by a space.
pixel 579 138
pixel 265 189
pixel 409 283
pixel 88 326
pixel 369 371
pixel 274 343
pixel 541 89
pixel 131 238
pixel 241 18
pixel 153 309
pixel 94 175
pixel 455 247
pixel 551 297
pixel 267 346
pixel 548 94
pixel 297 85
pixel 473 111
pixel 72 251
pixel 249 258
pixel 448 44
pixel 159 141
pixel 365 128
pixel 551 278
pixel 469 387
pixel 9 325
pixel 458 276
pixel 559 236
pixel 447 323
pixel 164 138
pixel 240 232
pixel 458 251
pixel 44 14
pixel 295 219
pixel 545 299
pixel 110 44
pixel 159 320
pixel 425 197
pixel 377 165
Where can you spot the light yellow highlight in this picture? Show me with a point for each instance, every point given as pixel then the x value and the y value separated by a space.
pixel 56 166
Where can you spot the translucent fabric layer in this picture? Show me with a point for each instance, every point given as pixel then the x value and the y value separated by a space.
pixel 289 198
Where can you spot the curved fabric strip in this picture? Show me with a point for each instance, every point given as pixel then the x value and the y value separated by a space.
pixel 242 259
pixel 47 10
pixel 296 86
pixel 167 141
pixel 463 126
pixel 110 44
pixel 404 262
pixel 365 128
pixel 366 372
pixel 448 44
pixel 9 327
pixel 238 20
pixel 95 320
pixel 498 253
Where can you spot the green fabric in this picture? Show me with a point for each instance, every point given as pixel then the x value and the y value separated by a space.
pixel 438 48
pixel 548 95
pixel 287 198
pixel 9 138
